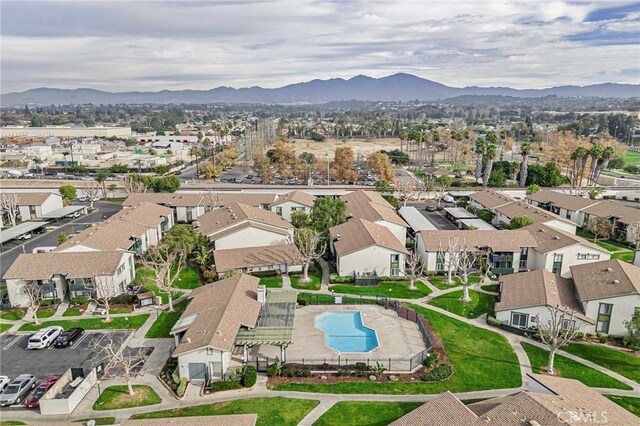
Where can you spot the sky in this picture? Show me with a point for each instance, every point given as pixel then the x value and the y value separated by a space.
pixel 156 45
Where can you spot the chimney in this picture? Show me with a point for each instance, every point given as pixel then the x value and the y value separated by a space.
pixel 262 293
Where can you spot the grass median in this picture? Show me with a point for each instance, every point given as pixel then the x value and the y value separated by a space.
pixel 622 363
pixel 365 413
pixel 480 303
pixel 117 397
pixel 394 289
pixel 126 323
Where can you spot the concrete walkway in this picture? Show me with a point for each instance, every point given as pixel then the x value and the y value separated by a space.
pixel 326 271
pixel 286 282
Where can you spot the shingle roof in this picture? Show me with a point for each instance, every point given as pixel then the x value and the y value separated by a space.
pixel 358 234
pixel 299 197
pixel 148 214
pixel 189 199
pixel 606 278
pixel 216 313
pixel 550 239
pixel 537 214
pixel 491 199
pixel 504 241
pixel 559 199
pixel 235 214
pixel 538 288
pixel 226 260
pixel 112 234
pixel 372 207
pixel 446 409
pixel 31 198
pixel 607 209
pixel 40 266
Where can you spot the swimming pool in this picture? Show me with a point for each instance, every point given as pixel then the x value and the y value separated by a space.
pixel 345 332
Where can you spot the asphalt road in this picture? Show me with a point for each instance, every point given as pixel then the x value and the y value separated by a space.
pixel 17 359
pixel 50 239
pixel 436 218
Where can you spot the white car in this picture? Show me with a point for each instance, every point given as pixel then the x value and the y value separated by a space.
pixel 4 382
pixel 74 215
pixel 24 237
pixel 45 337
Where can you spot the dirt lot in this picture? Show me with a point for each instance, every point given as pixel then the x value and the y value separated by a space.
pixel 359 146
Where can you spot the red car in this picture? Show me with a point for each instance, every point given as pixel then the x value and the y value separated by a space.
pixel 33 401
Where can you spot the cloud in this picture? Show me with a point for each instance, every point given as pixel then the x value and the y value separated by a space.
pixel 115 45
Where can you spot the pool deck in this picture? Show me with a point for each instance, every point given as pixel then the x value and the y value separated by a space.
pixel 397 337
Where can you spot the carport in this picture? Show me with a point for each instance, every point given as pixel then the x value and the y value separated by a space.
pixel 21 229
pixel 416 220
pixel 476 224
pixel 63 212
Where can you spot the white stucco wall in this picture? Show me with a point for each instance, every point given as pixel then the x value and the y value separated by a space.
pixel 570 258
pixel 252 237
pixel 287 209
pixel 623 309
pixel 181 213
pixel 53 202
pixel 400 232
pixel 543 312
pixel 562 225
pixel 200 356
pixel 369 260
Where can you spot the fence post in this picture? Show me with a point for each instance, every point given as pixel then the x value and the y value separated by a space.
pixel 389 364
pixel 367 362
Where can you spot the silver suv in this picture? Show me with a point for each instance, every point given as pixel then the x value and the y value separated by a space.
pixel 18 389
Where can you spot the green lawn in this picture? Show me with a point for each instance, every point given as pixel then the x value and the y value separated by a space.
pixel 629 403
pixel 11 423
pixel 365 413
pixel 632 157
pixel 626 256
pixel 99 421
pixel 314 284
pixel 482 360
pixel 622 363
pixel 45 312
pixel 490 287
pixel 321 298
pixel 441 282
pixel 570 369
pixel 116 397
pixel 134 322
pixel 398 290
pixel 608 247
pixel 271 282
pixel 5 327
pixel 72 312
pixel 12 315
pixel 166 320
pixel 145 277
pixel 189 278
pixel 481 303
pixel 271 411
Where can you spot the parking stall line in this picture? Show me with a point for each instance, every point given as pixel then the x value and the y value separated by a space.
pixel 13 342
pixel 84 336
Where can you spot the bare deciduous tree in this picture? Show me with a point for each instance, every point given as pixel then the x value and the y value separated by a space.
pixel 92 191
pixel 34 294
pixel 600 227
pixel 311 245
pixel 633 234
pixel 427 185
pixel 450 255
pixel 100 291
pixel 9 204
pixel 557 332
pixel 133 185
pixel 211 200
pixel 440 190
pixel 405 187
pixel 120 362
pixel 415 266
pixel 466 261
pixel 166 264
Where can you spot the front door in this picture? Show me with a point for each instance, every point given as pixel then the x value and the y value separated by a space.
pixel 197 370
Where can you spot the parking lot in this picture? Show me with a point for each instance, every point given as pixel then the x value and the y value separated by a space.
pixel 17 359
pixel 436 218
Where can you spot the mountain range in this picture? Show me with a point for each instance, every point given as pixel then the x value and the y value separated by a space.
pixel 396 87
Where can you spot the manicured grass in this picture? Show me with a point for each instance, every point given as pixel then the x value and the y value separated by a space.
pixel 99 420
pixel 327 299
pixel 632 157
pixel 145 277
pixel 314 284
pixel 11 423
pixel 114 200
pixel 45 313
pixel 482 359
pixel 5 327
pixel 365 413
pixel 481 303
pixel 189 278
pixel 612 359
pixel 490 287
pixel 134 322
pixel 608 247
pixel 570 369
pixel 629 403
pixel 72 312
pixel 398 290
pixel 12 315
pixel 271 411
pixel 441 282
pixel 271 282
pixel 124 310
pixel 166 320
pixel 116 397
pixel 626 256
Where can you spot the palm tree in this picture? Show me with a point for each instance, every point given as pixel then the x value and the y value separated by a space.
pixel 490 155
pixel 581 154
pixel 525 150
pixel 603 162
pixel 479 150
pixel 595 153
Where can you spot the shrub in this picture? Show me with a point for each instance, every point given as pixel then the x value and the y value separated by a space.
pixel 431 359
pixel 175 376
pixel 602 339
pixel 250 376
pixel 272 370
pixel 325 366
pixel 494 321
pixel 393 278
pixel 123 299
pixel 335 278
pixel 288 371
pixel 49 302
pixel 608 197
pixel 224 385
pixel 81 300
pixel 636 199
pixel 361 366
pixel 624 198
pixel 440 372
pixel 182 387
pixel 342 373
pixel 439 208
pixel 264 274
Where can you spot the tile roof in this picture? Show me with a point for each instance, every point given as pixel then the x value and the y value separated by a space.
pixel 216 312
pixel 499 241
pixel 491 199
pixel 538 288
pixel 145 213
pixel 562 200
pixel 235 214
pixel 550 239
pixel 358 234
pixel 31 198
pixel 537 214
pixel 256 256
pixel 607 209
pixel 606 278
pixel 40 266
pixel 299 197
pixel 371 206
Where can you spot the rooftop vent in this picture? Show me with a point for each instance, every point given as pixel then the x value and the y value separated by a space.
pixel 609 269
pixel 616 281
pixel 555 237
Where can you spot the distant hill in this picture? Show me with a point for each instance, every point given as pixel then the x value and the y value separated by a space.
pixel 396 87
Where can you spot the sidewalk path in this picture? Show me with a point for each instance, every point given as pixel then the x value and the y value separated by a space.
pixel 326 270
pixel 286 282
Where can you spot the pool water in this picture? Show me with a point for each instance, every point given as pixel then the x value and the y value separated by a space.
pixel 345 332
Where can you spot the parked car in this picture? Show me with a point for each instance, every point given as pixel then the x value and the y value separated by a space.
pixel 45 337
pixel 33 401
pixel 17 389
pixel 66 338
pixel 51 378
pixel 430 208
pixel 4 382
pixel 448 199
pixel 83 199
pixel 238 180
pixel 26 236
pixel 73 215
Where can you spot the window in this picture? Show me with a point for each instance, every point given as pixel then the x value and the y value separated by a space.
pixel 588 256
pixel 524 256
pixel 209 351
pixel 32 211
pixel 279 210
pixel 189 214
pixel 440 262
pixel 395 265
pixel 120 269
pixel 568 215
pixel 297 209
pixel 604 317
pixel 519 320
pixel 557 263
pixel 568 324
